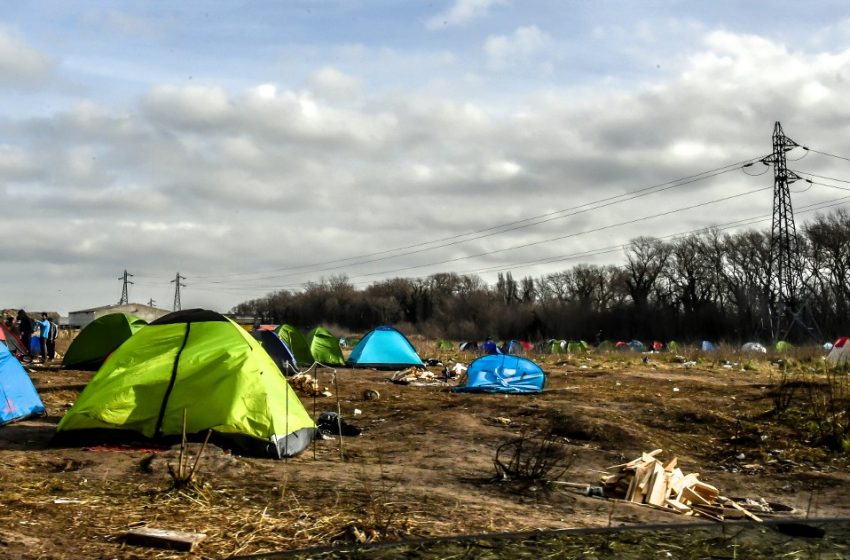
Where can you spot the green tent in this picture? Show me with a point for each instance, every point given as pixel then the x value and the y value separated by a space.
pixel 300 349
pixel 555 346
pixel 783 346
pixel 605 346
pixel 577 347
pixel 672 346
pixel 195 361
pixel 445 345
pixel 325 347
pixel 99 339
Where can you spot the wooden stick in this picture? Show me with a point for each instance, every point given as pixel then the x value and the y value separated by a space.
pixel 182 449
pixel 201 452
pixel 338 414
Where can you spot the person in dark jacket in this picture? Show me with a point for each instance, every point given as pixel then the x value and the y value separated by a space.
pixel 24 324
pixel 51 339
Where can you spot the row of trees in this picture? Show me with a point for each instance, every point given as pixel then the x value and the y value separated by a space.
pixel 707 285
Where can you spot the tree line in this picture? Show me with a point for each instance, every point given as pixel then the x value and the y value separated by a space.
pixel 708 285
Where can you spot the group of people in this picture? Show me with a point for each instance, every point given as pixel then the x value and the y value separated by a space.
pixel 46 330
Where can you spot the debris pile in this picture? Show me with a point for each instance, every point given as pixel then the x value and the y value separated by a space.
pixel 415 377
pixel 307 384
pixel 646 480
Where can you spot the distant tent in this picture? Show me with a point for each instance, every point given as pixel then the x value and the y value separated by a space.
pixel 637 346
pixel 503 374
pixel 99 339
pixel 605 346
pixel 754 347
pixel 384 347
pixel 827 346
pixel 513 347
pixel 348 341
pixel 300 349
pixel 200 362
pixel 277 349
pixel 577 347
pixel 783 346
pixel 557 346
pixel 622 345
pixel 672 346
pixel 489 347
pixel 11 341
pixel 445 345
pixel 17 393
pixel 324 347
pixel 707 346
pixel 840 353
pixel 657 346
pixel 527 345
pixel 470 346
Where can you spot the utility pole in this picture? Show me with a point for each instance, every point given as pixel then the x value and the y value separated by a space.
pixel 788 308
pixel 151 302
pixel 177 285
pixel 124 295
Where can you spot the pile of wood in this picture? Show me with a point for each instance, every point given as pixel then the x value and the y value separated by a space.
pixel 416 377
pixel 646 480
pixel 308 385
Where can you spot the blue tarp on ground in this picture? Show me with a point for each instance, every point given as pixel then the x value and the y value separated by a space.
pixel 384 347
pixel 18 397
pixel 503 374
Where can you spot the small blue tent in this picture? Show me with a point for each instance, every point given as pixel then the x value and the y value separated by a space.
pixel 384 347
pixel 278 350
pixel 707 346
pixel 18 397
pixel 490 347
pixel 637 346
pixel 513 347
pixel 503 374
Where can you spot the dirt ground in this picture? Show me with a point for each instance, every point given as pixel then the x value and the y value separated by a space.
pixel 423 465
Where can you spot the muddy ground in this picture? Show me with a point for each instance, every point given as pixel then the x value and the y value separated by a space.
pixel 423 465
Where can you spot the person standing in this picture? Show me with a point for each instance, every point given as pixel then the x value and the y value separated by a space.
pixel 25 329
pixel 43 335
pixel 51 339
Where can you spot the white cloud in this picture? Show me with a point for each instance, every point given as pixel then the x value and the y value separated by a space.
pixel 522 44
pixel 462 12
pixel 330 82
pixel 22 66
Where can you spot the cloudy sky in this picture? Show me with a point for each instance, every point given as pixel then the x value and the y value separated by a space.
pixel 258 145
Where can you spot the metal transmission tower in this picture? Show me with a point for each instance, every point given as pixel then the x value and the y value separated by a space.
pixel 788 309
pixel 124 294
pixel 177 285
pixel 151 302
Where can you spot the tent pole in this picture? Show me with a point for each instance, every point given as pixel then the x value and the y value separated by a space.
pixel 315 390
pixel 338 414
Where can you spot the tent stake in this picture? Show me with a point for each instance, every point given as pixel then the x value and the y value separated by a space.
pixel 338 414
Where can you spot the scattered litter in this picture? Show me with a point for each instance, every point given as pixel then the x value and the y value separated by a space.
pixel 308 385
pixel 675 389
pixel 431 362
pixel 371 395
pixel 357 412
pixel 502 420
pixel 67 501
pixel 689 365
pixel 415 377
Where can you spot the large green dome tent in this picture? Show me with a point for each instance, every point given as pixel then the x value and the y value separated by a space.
pixel 99 339
pixel 296 342
pixel 324 347
pixel 200 362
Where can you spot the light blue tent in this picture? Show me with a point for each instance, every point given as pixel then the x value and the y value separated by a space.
pixel 18 397
pixel 384 347
pixel 637 346
pixel 707 346
pixel 503 374
pixel 513 347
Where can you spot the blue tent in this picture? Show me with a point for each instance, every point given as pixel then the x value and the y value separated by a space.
pixel 503 374
pixel 513 347
pixel 384 347
pixel 707 346
pixel 18 397
pixel 637 346
pixel 490 347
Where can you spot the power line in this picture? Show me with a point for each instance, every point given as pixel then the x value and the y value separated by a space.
pixel 505 228
pixel 549 240
pixel 824 153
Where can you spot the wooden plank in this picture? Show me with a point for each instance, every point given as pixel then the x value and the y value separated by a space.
pixel 658 490
pixel 635 493
pixel 676 478
pixel 746 512
pixel 687 481
pixel 708 492
pixel 688 496
pixel 677 505
pixel 671 465
pixel 164 538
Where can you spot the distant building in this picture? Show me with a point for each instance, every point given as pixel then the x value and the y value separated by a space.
pixel 79 319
